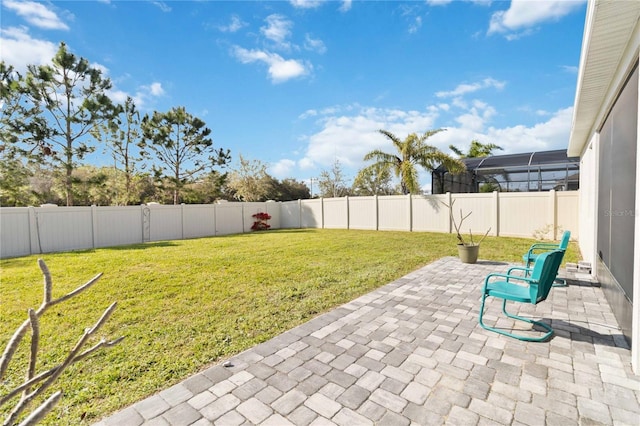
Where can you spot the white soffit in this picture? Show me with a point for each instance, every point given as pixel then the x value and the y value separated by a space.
pixel 609 26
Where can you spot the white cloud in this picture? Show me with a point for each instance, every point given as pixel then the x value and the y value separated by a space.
pixel 306 164
pixel 551 134
pixel 143 96
pixel 278 29
pixel 459 103
pixel 155 89
pixel 547 135
pixel 308 113
pixel 20 49
pixel 571 69
pixel 280 69
pixel 471 121
pixel 522 15
pixel 475 116
pixel 348 133
pixel 465 88
pixel 36 14
pixel 119 96
pixel 161 5
pixel 236 24
pixel 315 45
pixel 306 4
pixel 282 168
pixel 103 69
pixel 346 6
pixel 415 25
pixel 446 2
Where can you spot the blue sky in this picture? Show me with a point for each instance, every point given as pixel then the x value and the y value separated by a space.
pixel 301 84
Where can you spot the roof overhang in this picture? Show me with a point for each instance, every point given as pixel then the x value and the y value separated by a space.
pixel 610 34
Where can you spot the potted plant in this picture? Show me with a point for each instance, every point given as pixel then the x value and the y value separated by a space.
pixel 467 249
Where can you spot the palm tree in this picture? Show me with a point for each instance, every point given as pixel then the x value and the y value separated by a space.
pixel 412 152
pixel 476 149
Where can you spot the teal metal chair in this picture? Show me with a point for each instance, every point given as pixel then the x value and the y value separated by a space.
pixel 534 251
pixel 537 288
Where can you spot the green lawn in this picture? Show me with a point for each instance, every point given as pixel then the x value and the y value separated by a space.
pixel 184 305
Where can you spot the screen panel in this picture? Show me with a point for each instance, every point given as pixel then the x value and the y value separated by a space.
pixel 616 186
pixel 623 177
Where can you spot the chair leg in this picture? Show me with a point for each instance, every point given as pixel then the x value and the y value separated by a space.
pixel 559 282
pixel 528 266
pixel 542 338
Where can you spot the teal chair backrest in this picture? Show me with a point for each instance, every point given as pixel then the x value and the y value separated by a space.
pixel 564 241
pixel 544 272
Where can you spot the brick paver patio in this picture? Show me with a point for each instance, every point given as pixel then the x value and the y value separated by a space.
pixel 412 352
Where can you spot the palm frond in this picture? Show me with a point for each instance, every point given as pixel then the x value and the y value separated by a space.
pixel 426 135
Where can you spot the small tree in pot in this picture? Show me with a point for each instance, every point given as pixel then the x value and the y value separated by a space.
pixel 467 250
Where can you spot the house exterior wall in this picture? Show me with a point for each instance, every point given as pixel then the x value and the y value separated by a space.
pixel 587 202
pixel 610 51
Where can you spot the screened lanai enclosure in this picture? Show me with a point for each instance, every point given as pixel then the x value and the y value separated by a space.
pixel 530 171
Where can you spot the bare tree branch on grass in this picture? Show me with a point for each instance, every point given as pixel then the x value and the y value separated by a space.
pixel 48 377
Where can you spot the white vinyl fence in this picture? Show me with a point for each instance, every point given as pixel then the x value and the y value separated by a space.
pixel 33 230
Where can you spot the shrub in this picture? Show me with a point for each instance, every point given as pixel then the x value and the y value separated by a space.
pixel 261 221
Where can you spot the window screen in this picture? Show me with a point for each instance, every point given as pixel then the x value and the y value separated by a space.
pixel 616 192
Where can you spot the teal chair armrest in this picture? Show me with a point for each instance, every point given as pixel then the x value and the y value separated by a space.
pixel 543 247
pixel 522 270
pixel 508 277
pixel 518 268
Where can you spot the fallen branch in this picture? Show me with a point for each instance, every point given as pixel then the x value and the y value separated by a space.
pixel 46 304
pixel 44 380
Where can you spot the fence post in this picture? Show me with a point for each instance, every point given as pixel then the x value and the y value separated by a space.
pixel 410 212
pixel 34 232
pixel 242 215
pixel 215 223
pixel 347 201
pixel 496 217
pixel 321 212
pixel 554 213
pixel 450 230
pixel 377 212
pixel 94 225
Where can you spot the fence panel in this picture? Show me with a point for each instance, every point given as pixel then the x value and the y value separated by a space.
pixel 15 232
pixel 336 213
pixel 273 208
pixel 165 223
pixel 290 214
pixel 60 229
pixel 568 213
pixel 118 225
pixel 522 213
pixel 251 208
pixel 394 213
pixel 198 220
pixel 363 213
pixel 229 218
pixel 311 214
pixel 483 213
pixel 248 210
pixel 429 214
